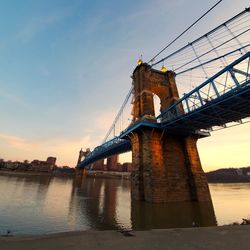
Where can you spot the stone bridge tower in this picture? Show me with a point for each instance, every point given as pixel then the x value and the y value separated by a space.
pixel 166 166
pixel 81 155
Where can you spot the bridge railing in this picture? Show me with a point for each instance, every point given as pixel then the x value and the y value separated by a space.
pixel 102 149
pixel 235 75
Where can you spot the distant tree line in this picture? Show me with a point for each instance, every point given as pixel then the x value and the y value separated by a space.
pixel 229 175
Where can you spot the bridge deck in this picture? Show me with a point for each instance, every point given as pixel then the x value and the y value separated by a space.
pixel 233 106
pixel 199 113
pixel 117 147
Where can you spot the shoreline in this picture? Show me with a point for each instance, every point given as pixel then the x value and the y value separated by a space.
pixel 97 174
pixel 222 237
pixel 24 173
pixel 109 174
pixel 33 173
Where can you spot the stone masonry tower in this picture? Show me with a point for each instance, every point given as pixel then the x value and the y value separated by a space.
pixel 82 154
pixel 166 166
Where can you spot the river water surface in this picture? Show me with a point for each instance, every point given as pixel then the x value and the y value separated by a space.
pixel 41 205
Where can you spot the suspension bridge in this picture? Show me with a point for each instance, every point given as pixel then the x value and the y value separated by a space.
pixel 202 87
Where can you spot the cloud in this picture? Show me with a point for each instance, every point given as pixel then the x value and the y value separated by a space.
pixel 102 75
pixel 66 150
pixel 17 142
pixel 104 120
pixel 13 99
pixel 39 24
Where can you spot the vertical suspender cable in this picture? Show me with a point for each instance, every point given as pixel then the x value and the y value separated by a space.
pixel 151 60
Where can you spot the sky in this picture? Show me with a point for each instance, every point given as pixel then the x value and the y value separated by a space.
pixel 65 70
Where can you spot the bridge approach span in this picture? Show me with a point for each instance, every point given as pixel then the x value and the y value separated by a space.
pixel 212 103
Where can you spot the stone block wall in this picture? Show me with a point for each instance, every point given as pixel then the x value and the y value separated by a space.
pixel 98 165
pixel 167 168
pixel 112 163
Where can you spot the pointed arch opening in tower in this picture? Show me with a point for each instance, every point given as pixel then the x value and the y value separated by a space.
pixel 157 105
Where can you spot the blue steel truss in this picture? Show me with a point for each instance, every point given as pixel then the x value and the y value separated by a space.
pixel 223 98
pixel 107 149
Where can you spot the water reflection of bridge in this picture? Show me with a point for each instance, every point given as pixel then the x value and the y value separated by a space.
pixel 96 201
pixel 106 204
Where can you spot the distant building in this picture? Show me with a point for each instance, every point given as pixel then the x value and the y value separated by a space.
pixel 11 165
pixel 51 160
pixel 43 166
pixel 239 171
pixel 2 163
pixel 64 170
pixel 127 167
pixel 82 154
pixel 98 165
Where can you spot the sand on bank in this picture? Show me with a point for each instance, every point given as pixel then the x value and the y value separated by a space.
pixel 226 237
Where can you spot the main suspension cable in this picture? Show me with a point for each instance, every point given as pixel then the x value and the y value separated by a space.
pixel 184 31
pixel 204 36
pixel 119 114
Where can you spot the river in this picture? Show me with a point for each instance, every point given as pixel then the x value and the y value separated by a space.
pixel 42 205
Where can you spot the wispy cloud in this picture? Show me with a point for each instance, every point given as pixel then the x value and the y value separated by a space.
pixel 39 24
pixel 66 150
pixel 13 98
pixel 17 142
